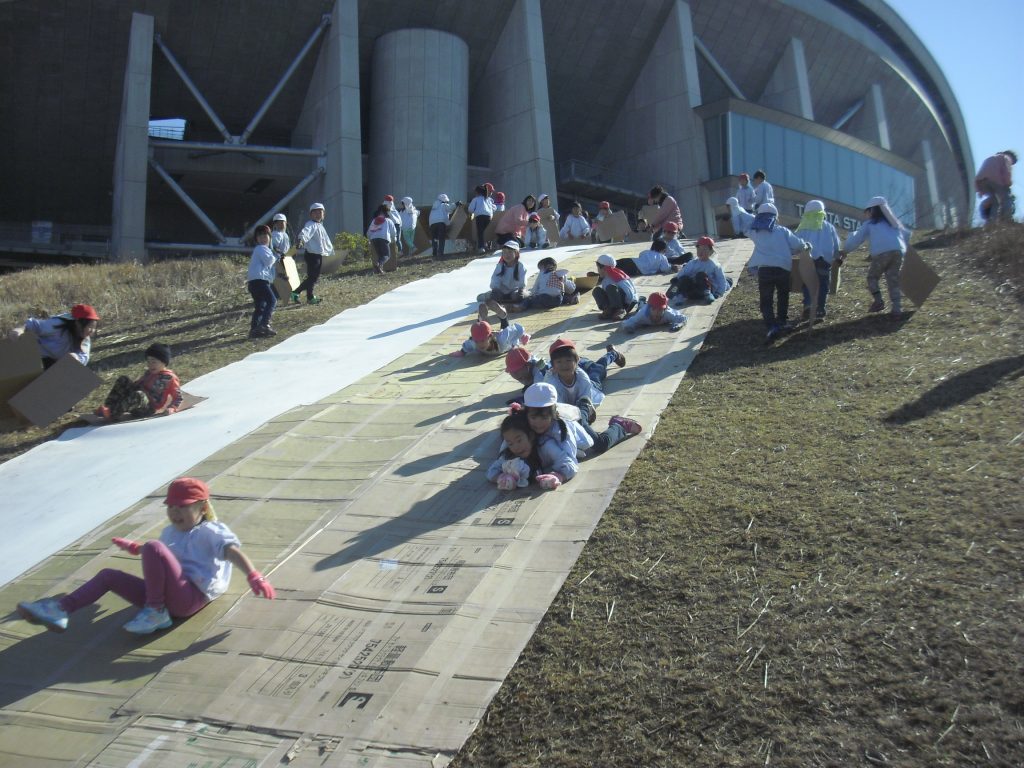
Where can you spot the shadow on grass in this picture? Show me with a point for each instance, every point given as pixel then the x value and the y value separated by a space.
pixel 135 356
pixel 959 389
pixel 741 344
pixel 101 651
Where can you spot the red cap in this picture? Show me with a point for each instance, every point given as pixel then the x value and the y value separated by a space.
pixel 516 359
pixel 489 187
pixel 671 226
pixel 499 197
pixel 186 490
pixel 604 204
pixel 705 240
pixel 480 331
pixel 379 219
pixel 389 199
pixel 84 312
pixel 534 217
pixel 745 177
pixel 658 300
pixel 562 343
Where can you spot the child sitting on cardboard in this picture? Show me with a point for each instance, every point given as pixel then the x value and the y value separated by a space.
pixel 156 392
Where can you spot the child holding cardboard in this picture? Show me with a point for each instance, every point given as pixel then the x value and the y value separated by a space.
pixel 66 334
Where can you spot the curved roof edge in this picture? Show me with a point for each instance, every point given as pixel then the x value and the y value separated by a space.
pixel 891 27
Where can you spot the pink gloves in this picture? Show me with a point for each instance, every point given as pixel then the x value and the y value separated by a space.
pixel 260 586
pixel 524 339
pixel 548 482
pixel 129 546
pixel 507 482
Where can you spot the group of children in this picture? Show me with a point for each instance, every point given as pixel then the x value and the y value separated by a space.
pixel 775 246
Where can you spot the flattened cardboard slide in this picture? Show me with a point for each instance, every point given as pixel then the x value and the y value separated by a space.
pixel 55 392
pixel 917 279
pixel 614 228
pixel 407 585
pixel 648 212
pixel 287 277
pixel 723 221
pixel 20 364
pixel 187 401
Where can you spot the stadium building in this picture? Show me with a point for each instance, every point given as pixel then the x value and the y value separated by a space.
pixel 272 105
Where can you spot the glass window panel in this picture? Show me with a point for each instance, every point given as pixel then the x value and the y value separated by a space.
pixel 860 177
pixel 812 165
pixel 874 177
pixel 753 145
pixel 844 172
pixel 793 165
pixel 774 156
pixel 829 177
pixel 713 135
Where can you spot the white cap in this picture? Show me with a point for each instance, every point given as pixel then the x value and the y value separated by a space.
pixel 443 198
pixel 606 260
pixel 513 244
pixel 280 217
pixel 540 395
pixel 814 206
pixel 767 208
pixel 316 207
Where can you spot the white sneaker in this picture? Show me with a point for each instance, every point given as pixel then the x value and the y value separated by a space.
pixel 149 620
pixel 46 612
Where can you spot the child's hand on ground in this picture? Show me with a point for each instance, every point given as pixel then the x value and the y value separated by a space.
pixel 506 482
pixel 548 482
pixel 129 546
pixel 260 586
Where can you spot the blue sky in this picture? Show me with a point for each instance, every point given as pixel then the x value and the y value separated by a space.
pixel 979 50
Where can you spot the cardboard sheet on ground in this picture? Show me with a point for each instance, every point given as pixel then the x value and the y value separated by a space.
pixel 187 401
pixel 54 392
pixel 917 279
pixel 407 584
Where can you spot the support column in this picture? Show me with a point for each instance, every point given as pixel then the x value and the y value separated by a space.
pixel 930 206
pixel 419 117
pixel 871 122
pixel 330 120
pixel 511 123
pixel 789 89
pixel 131 157
pixel 657 138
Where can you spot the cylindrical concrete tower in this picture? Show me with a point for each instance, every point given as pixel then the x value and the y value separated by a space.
pixel 419 117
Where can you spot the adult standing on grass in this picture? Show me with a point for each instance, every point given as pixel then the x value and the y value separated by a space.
pixel 887 239
pixel 994 179
pixel 260 282
pixel 65 334
pixel 317 243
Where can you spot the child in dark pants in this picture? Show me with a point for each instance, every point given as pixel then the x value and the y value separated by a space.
pixel 261 285
pixel 156 391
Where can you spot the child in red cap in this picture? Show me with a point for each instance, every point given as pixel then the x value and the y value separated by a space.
pixel 66 334
pixel 576 385
pixel 484 340
pixel 536 234
pixel 655 311
pixel 381 234
pixel 185 569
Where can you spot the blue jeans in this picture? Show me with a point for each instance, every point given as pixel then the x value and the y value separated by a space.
pixel 824 272
pixel 597 370
pixel 772 281
pixel 264 300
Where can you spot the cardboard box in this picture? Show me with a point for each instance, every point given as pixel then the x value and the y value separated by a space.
pixel 55 392
pixel 188 401
pixel 20 364
pixel 917 279
pixel 287 279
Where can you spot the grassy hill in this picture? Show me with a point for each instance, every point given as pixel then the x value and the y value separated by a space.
pixel 814 561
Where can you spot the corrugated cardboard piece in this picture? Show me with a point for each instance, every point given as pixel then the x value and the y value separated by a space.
pixel 54 392
pixel 614 228
pixel 188 401
pixel 917 279
pixel 286 277
pixel 20 364
pixel 407 584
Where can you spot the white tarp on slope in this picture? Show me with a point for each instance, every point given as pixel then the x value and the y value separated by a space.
pixel 62 489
